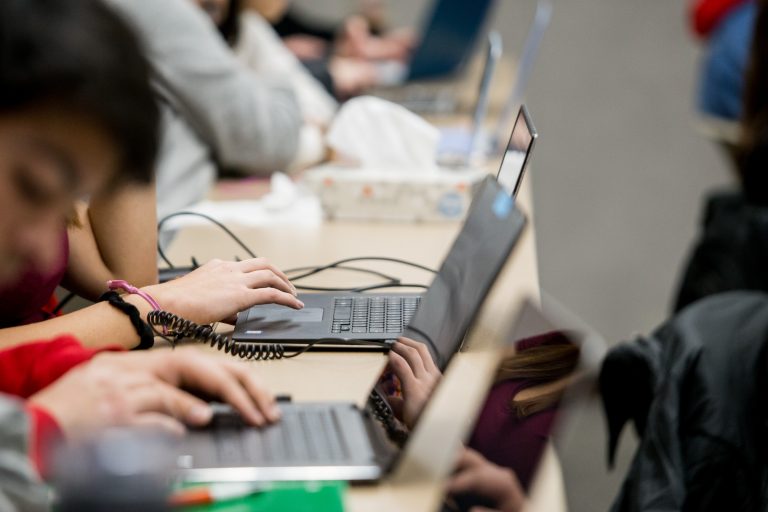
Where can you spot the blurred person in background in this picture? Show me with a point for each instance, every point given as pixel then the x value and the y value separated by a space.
pixel 341 56
pixel 216 114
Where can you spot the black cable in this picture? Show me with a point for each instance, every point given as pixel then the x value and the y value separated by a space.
pixel 204 216
pixel 337 263
pixel 62 303
pixel 388 285
pixel 179 328
pixel 376 273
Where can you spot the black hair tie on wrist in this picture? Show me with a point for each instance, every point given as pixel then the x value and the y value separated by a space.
pixel 146 336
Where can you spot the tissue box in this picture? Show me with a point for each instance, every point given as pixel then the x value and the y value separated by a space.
pixel 393 194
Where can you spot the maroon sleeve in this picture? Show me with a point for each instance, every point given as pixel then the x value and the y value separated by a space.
pixel 28 368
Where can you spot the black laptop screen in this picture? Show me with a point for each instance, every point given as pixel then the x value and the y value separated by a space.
pixel 449 37
pixel 492 227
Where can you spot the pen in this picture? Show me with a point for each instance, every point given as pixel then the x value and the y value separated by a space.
pixel 213 493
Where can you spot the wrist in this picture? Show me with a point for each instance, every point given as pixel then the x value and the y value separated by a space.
pixel 165 300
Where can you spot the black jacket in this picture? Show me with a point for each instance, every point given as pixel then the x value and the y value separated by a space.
pixel 696 391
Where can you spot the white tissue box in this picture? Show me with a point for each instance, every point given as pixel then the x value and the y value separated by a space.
pixel 393 194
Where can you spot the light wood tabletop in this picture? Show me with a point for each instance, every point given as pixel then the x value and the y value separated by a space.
pixel 417 484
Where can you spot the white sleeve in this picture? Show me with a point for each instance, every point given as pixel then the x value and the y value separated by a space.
pixel 249 122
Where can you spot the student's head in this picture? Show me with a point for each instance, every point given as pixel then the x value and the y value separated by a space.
pixel 77 116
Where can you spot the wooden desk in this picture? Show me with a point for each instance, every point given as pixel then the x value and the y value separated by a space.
pixel 416 486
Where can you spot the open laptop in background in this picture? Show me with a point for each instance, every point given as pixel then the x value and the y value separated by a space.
pixel 548 375
pixel 354 320
pixel 446 41
pixel 459 144
pixel 463 146
pixel 338 440
pixel 448 38
pixel 541 20
pixel 518 152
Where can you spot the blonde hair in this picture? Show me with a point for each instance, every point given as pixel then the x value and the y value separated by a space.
pixel 542 364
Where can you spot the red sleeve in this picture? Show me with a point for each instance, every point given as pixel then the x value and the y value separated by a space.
pixel 706 14
pixel 28 368
pixel 44 434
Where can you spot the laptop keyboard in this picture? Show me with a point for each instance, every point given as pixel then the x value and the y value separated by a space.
pixel 373 314
pixel 301 436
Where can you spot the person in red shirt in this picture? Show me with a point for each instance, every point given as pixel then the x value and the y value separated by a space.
pixel 77 117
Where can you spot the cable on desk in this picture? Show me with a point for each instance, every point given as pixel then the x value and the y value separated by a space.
pixel 387 277
pixel 178 328
pixel 234 237
pixel 338 263
pixel 389 285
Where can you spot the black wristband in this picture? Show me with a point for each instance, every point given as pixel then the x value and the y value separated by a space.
pixel 146 336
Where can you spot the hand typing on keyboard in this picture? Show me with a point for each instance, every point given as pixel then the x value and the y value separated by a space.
pixel 417 374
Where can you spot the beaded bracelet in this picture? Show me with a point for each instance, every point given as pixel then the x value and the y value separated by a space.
pixel 146 336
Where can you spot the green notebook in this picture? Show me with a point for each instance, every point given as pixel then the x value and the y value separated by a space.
pixel 283 497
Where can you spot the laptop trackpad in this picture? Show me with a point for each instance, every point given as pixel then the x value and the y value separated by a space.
pixel 285 314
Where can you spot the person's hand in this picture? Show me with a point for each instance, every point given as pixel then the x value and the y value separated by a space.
pixel 356 40
pixel 143 389
pixel 306 47
pixel 351 76
pixel 220 289
pixel 476 475
pixel 412 363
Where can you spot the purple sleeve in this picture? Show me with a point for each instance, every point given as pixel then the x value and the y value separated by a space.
pixel 504 439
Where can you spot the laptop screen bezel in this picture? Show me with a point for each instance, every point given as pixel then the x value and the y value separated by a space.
pixel 525 115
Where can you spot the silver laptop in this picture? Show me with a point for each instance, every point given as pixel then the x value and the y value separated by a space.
pixel 518 152
pixel 490 230
pixel 458 144
pixel 338 440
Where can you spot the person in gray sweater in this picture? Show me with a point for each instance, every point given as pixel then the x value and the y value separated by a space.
pixel 216 113
pixel 20 487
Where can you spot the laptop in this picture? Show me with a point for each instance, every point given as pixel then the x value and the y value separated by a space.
pixel 339 440
pixel 458 145
pixel 518 153
pixel 448 38
pixel 554 359
pixel 541 20
pixel 491 228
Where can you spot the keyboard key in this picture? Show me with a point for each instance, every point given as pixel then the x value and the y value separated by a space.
pixel 342 313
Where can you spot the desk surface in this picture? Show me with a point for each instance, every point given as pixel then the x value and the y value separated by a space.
pixel 350 376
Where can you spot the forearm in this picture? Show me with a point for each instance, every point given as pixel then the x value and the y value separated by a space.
pixel 116 240
pixel 97 326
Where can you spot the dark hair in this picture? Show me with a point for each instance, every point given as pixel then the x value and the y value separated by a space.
pixel 752 150
pixel 79 55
